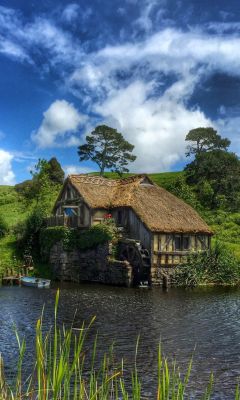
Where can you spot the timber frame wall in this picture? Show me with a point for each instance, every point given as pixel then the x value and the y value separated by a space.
pixel 165 254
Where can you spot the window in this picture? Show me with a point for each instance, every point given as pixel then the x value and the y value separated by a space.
pixel 177 243
pixel 120 217
pixel 203 241
pixel 181 242
pixel 70 211
pixel 186 242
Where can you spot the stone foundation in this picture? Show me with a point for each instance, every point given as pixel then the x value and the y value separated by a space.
pixel 95 265
pixel 162 275
pixel 92 265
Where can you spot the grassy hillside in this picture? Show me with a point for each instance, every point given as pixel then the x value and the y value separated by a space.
pixel 162 179
pixel 14 210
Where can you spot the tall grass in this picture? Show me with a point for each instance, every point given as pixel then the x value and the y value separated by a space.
pixel 61 373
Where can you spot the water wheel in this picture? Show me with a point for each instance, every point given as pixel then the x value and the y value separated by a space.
pixel 139 260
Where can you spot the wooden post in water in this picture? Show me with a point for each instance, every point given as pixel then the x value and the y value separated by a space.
pixel 165 282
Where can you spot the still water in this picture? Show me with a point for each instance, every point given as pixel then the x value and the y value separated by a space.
pixel 202 322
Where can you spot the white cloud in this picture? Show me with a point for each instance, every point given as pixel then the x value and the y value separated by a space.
pixel 60 121
pixel 168 51
pixel 24 41
pixel 70 13
pixel 230 127
pixel 13 50
pixel 7 176
pixel 74 169
pixel 155 120
pixel 157 127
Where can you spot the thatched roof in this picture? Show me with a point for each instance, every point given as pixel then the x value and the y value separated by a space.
pixel 158 209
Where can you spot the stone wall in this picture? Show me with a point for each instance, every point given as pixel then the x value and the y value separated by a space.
pixel 91 265
pixel 162 275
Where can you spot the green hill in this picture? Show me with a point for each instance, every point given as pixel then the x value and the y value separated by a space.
pixel 14 210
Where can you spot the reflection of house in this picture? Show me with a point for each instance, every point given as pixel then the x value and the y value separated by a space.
pixel 164 225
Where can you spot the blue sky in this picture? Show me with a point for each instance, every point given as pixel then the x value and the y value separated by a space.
pixel 153 69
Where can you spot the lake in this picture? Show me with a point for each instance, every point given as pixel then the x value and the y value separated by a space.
pixel 203 322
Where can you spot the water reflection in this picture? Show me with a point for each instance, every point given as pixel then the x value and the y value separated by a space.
pixel 200 321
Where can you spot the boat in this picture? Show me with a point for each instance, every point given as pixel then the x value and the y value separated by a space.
pixel 39 283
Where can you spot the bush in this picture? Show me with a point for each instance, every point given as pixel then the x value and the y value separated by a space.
pixel 218 266
pixel 88 239
pixel 28 233
pixel 73 238
pixel 50 236
pixel 3 227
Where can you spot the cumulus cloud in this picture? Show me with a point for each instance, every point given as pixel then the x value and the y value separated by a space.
pixel 156 118
pixel 60 121
pixel 7 176
pixel 157 127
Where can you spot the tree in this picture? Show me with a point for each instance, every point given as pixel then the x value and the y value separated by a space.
pixel 205 139
pixel 216 176
pixel 108 149
pixel 55 171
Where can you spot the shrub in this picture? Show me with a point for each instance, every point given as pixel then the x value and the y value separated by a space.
pixel 236 219
pixel 3 227
pixel 50 236
pixel 73 238
pixel 216 266
pixel 88 239
pixel 28 233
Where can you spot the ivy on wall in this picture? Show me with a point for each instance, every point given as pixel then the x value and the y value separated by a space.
pixel 73 238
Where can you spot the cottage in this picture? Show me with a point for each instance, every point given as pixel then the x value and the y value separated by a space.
pixel 160 228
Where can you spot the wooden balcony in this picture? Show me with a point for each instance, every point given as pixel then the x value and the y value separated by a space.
pixel 63 220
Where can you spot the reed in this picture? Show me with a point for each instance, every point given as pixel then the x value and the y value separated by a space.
pixel 61 373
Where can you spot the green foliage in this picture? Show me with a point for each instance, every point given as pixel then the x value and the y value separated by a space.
pixel 47 178
pixel 3 226
pixel 88 239
pixel 74 238
pixel 205 139
pixel 217 266
pixel 180 189
pixel 7 195
pixel 23 219
pixel 215 176
pixel 108 149
pixel 29 232
pixel 55 171
pixel 215 172
pixel 25 188
pixel 52 235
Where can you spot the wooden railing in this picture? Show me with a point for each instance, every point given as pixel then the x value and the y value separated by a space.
pixel 63 220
